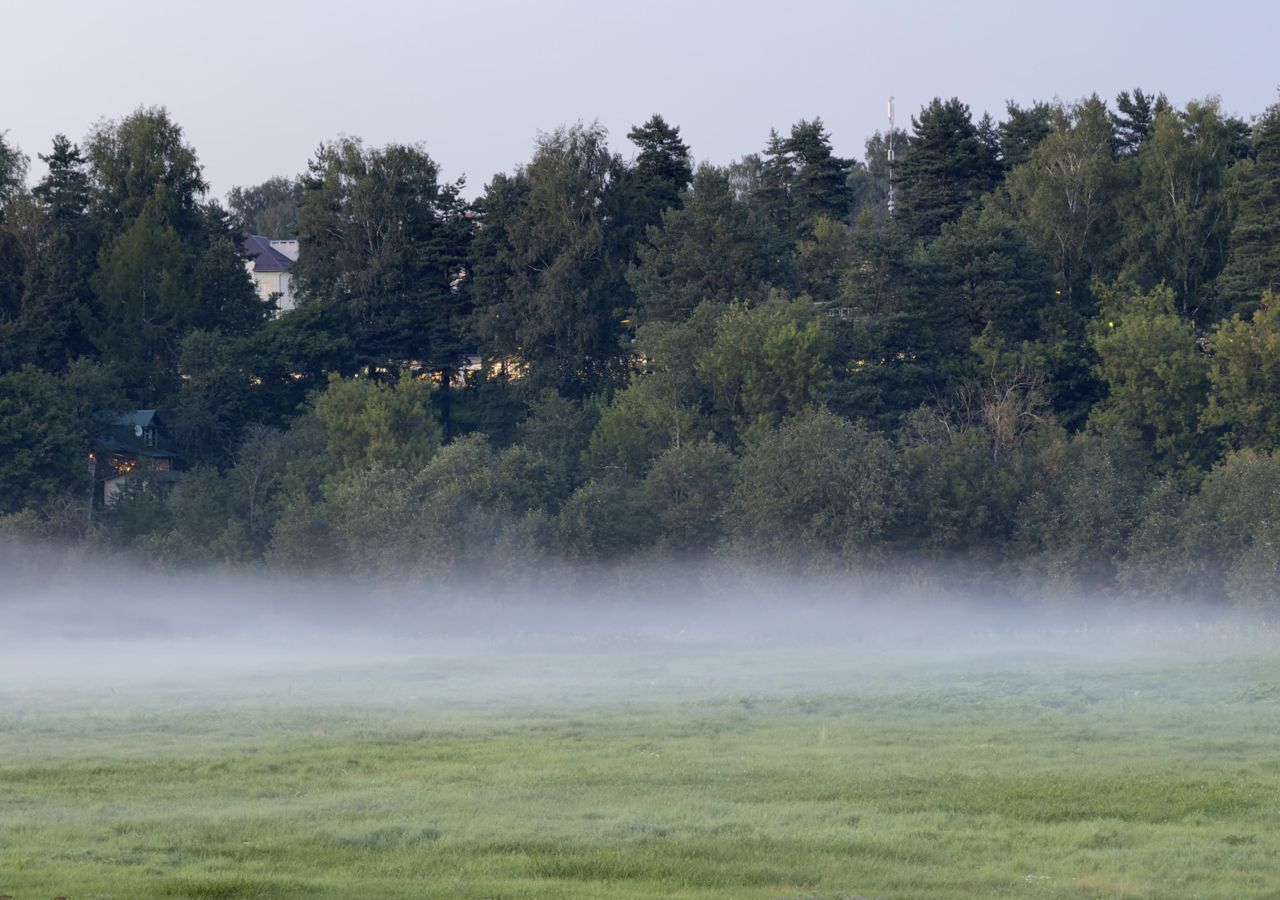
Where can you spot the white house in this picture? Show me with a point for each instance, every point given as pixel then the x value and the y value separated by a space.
pixel 269 263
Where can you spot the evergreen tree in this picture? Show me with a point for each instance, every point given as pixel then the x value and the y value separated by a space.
pixel 989 149
pixel 43 450
pixel 984 264
pixel 58 304
pixel 1253 261
pixel 899 338
pixel 225 298
pixel 715 247
pixel 663 169
pixel 819 184
pixel 490 263
pixel 291 356
pixel 1022 131
pixel 948 166
pixel 13 172
pixel 65 187
pixel 143 286
pixel 773 191
pixel 58 320
pixel 1134 119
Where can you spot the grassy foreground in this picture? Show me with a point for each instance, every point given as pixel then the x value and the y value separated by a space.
pixel 601 773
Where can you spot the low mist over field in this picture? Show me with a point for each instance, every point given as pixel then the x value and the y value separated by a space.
pixel 700 731
pixel 77 618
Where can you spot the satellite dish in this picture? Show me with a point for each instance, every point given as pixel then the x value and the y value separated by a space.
pixel 137 431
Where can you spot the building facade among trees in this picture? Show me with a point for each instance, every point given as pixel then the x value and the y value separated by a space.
pixel 269 262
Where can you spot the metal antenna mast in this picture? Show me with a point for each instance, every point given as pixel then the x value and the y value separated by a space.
pixel 889 157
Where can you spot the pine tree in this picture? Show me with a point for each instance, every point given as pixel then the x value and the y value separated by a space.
pixel 1253 261
pixel 1023 131
pixel 945 169
pixel 773 192
pixel 65 188
pixel 716 247
pixel 663 168
pixel 1134 119
pixel 985 264
pixel 57 323
pixel 59 318
pixel 819 186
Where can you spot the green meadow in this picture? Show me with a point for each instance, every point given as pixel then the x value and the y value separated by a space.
pixel 692 770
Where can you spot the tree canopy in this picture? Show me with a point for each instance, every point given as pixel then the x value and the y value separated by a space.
pixel 1056 357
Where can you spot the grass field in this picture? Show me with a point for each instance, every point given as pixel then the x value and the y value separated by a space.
pixel 683 771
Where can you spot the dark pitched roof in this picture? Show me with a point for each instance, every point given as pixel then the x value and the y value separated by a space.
pixel 265 257
pixel 126 435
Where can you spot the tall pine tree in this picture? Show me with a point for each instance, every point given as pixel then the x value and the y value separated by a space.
pixel 946 168
pixel 1253 261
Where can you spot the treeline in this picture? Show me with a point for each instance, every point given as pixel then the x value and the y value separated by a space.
pixel 1058 357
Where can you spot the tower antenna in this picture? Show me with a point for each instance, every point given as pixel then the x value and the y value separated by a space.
pixel 889 158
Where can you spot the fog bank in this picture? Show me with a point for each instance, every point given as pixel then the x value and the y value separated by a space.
pixel 75 619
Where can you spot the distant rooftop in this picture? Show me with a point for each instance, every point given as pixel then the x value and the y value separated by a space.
pixel 265 257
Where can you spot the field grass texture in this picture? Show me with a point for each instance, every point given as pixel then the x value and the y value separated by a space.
pixel 617 771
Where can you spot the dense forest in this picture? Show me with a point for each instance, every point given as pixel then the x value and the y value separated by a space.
pixel 1053 358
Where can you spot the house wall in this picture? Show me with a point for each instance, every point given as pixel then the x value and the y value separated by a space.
pixel 269 283
pixel 286 299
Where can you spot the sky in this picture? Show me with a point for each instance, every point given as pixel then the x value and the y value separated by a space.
pixel 258 86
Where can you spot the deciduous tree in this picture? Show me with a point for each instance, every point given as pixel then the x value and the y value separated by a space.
pixel 386 241
pixel 1244 377
pixel 1156 377
pixel 817 488
pixel 555 295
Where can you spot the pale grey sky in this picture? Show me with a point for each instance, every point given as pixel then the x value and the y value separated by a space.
pixel 256 86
